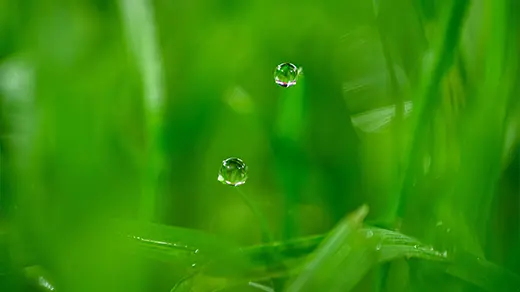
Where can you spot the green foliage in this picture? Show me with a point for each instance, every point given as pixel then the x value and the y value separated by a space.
pixel 392 164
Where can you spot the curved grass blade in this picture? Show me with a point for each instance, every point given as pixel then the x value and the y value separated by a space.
pixel 339 251
pixel 229 265
pixel 391 245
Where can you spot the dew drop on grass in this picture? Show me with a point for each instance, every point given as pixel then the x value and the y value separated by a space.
pixel 233 172
pixel 286 74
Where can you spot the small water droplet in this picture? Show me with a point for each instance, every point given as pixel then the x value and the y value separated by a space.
pixel 415 246
pixel 370 233
pixel 439 223
pixel 448 230
pixel 445 254
pixel 378 246
pixel 286 74
pixel 194 265
pixel 233 172
pixel 196 251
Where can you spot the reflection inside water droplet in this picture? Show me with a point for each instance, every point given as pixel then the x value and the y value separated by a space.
pixel 286 74
pixel 233 172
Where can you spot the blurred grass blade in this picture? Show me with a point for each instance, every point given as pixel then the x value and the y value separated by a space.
pixel 374 121
pixel 261 287
pixel 290 126
pixel 139 22
pixel 39 278
pixel 340 261
pixel 291 115
pixel 483 274
pixel 428 99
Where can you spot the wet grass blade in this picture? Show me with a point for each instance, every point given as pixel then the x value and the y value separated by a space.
pixel 340 252
pixel 170 243
pixel 391 245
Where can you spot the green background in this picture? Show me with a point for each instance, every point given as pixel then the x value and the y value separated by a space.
pixel 126 109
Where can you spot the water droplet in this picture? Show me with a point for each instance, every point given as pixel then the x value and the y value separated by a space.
pixel 415 246
pixel 196 251
pixel 370 233
pixel 194 265
pixel 286 74
pixel 378 246
pixel 233 172
pixel 445 254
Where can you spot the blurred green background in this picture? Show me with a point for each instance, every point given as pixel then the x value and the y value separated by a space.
pixel 125 110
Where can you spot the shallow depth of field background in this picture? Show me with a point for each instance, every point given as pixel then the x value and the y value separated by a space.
pixel 126 109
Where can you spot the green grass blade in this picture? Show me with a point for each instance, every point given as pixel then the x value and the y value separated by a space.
pixel 428 100
pixel 290 125
pixel 390 246
pixel 337 252
pixel 170 243
pixel 483 274
pixel 139 22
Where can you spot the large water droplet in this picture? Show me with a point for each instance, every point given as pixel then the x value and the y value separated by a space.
pixel 233 172
pixel 286 74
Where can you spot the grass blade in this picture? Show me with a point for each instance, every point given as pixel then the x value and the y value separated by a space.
pixel 424 107
pixel 139 22
pixel 338 252
pixel 287 144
